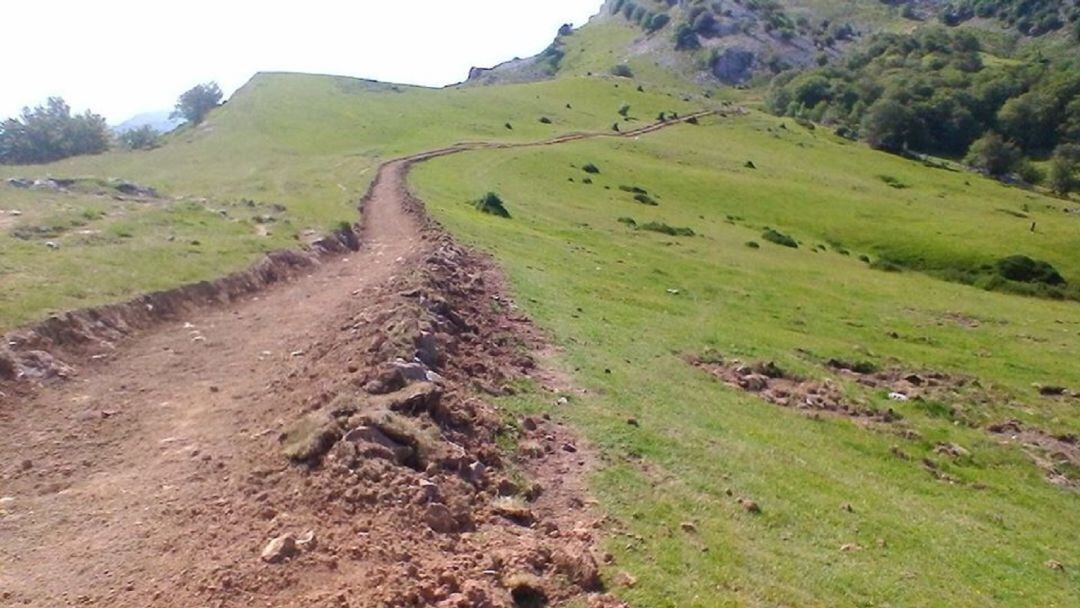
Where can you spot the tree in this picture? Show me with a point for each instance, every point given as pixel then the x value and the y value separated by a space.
pixel 686 39
pixel 1064 167
pixel 142 138
pixel 196 103
pixel 889 125
pixel 992 155
pixel 49 133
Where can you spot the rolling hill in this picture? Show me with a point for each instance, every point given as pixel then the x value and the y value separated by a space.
pixel 804 368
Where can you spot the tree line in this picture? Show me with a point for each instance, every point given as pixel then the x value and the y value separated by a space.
pixel 51 132
pixel 931 92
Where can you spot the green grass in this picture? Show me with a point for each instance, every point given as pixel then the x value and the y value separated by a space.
pixel 310 144
pixel 603 293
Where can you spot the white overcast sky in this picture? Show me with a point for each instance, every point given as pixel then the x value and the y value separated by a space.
pixel 122 57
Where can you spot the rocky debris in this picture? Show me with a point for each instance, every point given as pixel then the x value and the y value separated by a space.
pixel 279 549
pixel 133 189
pixel 1057 455
pixel 951 450
pixel 773 384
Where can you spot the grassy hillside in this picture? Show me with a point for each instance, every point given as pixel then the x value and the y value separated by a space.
pixel 285 160
pixel 628 306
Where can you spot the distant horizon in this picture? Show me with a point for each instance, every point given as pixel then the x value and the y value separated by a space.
pixel 321 39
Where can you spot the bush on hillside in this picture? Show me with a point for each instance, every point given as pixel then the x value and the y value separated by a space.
pixel 666 229
pixel 622 71
pixel 645 199
pixel 143 138
pixel 992 155
pixel 590 168
pixel 1023 269
pixel 492 204
pixel 779 238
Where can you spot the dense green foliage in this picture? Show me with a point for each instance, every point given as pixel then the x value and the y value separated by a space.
pixel 145 137
pixel 491 204
pixel 50 132
pixel 933 92
pixel 196 102
pixel 1030 17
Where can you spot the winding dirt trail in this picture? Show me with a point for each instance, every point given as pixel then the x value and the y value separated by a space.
pixel 154 477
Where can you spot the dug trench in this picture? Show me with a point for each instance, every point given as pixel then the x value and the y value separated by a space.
pixel 326 441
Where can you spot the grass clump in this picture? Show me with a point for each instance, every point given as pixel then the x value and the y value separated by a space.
pixel 633 189
pixel 591 168
pixel 893 182
pixel 1023 269
pixel 629 221
pixel 779 238
pixel 666 229
pixel 622 71
pixel 645 199
pixel 492 204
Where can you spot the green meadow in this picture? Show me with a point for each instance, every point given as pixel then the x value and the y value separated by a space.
pixel 285 160
pixel 628 306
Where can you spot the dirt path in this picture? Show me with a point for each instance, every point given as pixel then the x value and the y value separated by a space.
pixel 155 477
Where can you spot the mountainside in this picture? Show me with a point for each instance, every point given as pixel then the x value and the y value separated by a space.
pixel 727 303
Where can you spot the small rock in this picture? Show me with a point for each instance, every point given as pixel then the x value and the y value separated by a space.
pixel 625 579
pixel 898 396
pixel 569 447
pixel 307 541
pixel 439 518
pixel 849 547
pixel 562 401
pixel 279 549
pixel 633 421
pixel 749 506
pixel 1055 565
pixel 688 526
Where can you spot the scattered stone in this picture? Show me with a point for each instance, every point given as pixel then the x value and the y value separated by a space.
pixel 951 449
pixel 439 518
pixel 625 579
pixel 569 447
pixel 895 396
pixel 307 541
pixel 279 549
pixel 514 509
pixel 750 506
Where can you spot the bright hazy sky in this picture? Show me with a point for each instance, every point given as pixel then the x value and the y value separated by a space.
pixel 123 57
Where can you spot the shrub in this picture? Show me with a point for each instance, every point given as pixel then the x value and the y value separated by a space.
pixel 145 137
pixel 666 229
pixel 492 204
pixel 753 245
pixel 645 199
pixel 633 189
pixel 590 168
pixel 624 111
pixel 545 120
pixel 779 238
pixel 629 221
pixel 658 22
pixel 50 132
pixel 1023 269
pixel 622 71
pixel 992 155
pixel 893 182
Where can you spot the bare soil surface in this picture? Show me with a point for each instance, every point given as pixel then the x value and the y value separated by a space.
pixel 325 441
